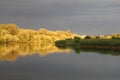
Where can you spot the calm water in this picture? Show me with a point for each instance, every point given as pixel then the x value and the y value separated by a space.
pixel 28 62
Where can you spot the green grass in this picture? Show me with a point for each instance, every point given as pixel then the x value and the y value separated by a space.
pixel 100 42
pixel 97 42
pixel 103 46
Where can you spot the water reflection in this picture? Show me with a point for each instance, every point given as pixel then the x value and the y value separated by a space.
pixel 105 50
pixel 10 52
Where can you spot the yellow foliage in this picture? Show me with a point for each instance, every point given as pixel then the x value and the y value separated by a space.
pixel 12 28
pixel 23 36
pixel 12 33
pixel 2 26
pixel 15 38
pixel 3 32
pixel 7 38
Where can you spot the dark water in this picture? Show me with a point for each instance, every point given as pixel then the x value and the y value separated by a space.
pixel 61 66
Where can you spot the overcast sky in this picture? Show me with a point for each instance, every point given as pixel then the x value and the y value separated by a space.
pixel 91 17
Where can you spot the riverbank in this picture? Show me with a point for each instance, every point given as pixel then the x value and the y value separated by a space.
pixel 77 44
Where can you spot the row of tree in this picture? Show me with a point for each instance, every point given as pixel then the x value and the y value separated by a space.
pixel 12 33
pixel 112 36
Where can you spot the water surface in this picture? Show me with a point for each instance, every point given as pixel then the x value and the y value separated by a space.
pixel 33 62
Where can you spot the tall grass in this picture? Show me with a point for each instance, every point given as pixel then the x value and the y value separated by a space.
pixel 100 42
pixel 102 46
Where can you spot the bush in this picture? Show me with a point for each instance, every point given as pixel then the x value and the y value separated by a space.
pixel 12 28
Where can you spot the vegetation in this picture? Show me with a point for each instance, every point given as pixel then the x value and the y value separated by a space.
pixel 12 33
pixel 99 45
pixel 101 42
pixel 42 41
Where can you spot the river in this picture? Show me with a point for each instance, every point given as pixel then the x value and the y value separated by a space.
pixel 32 62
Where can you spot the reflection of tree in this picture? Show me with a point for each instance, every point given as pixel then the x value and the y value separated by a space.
pixel 106 50
pixel 111 50
pixel 69 43
pixel 77 50
pixel 10 52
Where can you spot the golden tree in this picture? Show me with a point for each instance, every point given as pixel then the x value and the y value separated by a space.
pixel 12 28
pixel 23 36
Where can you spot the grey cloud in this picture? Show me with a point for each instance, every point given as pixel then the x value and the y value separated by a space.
pixel 87 16
pixel 54 8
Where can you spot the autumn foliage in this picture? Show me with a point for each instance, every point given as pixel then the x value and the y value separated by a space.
pixel 12 33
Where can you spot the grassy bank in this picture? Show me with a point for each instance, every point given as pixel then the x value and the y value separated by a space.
pixel 99 45
pixel 93 42
pixel 100 42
